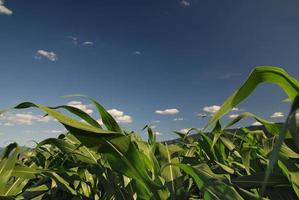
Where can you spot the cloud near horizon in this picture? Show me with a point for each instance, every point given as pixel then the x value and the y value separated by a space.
pixel 50 131
pixel 185 130
pixel 9 119
pixel 256 124
pixel 277 115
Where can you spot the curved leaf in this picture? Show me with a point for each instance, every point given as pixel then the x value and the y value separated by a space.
pixel 259 75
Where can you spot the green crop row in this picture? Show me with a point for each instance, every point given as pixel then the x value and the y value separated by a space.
pixel 91 161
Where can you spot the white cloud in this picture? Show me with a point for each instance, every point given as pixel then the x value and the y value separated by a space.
pixel 88 43
pixel 137 53
pixel 277 115
pixel 256 124
pixel 81 106
pixel 185 130
pixel 211 109
pixel 157 133
pixel 156 121
pixel 10 119
pixel 178 119
pixel 236 109
pixel 215 108
pixel 46 54
pixel 125 119
pixel 185 3
pixel 74 39
pixel 170 111
pixel 56 131
pixel 202 115
pixel 44 119
pixel 100 122
pixel 4 10
pixel 287 100
pixel 119 117
pixel 8 124
pixel 116 113
pixel 52 131
pixel 233 116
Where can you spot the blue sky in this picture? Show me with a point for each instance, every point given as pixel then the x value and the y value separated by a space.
pixel 139 57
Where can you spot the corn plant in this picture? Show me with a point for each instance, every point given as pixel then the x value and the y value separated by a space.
pixel 93 161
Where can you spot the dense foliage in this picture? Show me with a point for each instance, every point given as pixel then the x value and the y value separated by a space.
pixel 95 162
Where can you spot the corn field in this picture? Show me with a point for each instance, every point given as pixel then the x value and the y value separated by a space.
pixel 93 161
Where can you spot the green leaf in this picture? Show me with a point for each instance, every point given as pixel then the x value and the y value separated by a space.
pixel 288 125
pixel 211 184
pixel 70 123
pixel 7 164
pixel 80 114
pixel 271 127
pixel 259 75
pixel 107 119
pixel 257 180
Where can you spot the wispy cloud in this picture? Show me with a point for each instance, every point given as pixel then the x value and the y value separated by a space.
pixel 81 106
pixel 202 115
pixel 277 115
pixel 185 3
pixel 46 54
pixel 3 9
pixel 178 119
pixel 87 43
pixel 170 111
pixel 137 52
pixel 287 100
pixel 156 121
pixel 229 75
pixel 8 124
pixel 76 41
pixel 237 109
pixel 9 119
pixel 73 39
pixel 51 131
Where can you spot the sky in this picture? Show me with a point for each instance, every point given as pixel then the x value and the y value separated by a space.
pixel 162 63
